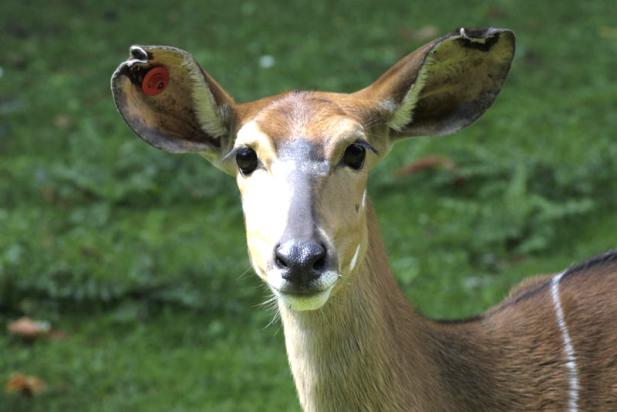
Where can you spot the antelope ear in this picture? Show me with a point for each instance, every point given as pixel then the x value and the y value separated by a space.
pixel 172 103
pixel 446 84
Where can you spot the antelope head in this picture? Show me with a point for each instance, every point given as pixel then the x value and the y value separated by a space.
pixel 301 159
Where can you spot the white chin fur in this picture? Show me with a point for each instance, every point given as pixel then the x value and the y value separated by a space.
pixel 299 303
pixel 302 303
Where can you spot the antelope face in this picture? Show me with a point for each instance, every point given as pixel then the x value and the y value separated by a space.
pixel 301 159
pixel 302 170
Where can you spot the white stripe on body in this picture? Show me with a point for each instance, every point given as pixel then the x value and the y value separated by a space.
pixel 567 344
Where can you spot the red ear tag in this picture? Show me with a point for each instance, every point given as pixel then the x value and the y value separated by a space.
pixel 155 81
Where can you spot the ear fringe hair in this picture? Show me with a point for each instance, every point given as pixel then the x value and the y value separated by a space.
pixel 403 115
pixel 206 108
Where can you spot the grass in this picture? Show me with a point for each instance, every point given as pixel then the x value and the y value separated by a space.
pixel 139 256
pixel 172 362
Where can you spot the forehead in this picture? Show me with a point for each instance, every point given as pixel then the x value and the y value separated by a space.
pixel 312 117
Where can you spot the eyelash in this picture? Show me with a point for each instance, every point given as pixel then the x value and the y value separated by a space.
pixel 366 145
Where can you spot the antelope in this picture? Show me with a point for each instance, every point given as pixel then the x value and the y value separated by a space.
pixel 301 162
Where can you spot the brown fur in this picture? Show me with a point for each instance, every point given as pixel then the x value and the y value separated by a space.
pixel 365 348
pixel 511 358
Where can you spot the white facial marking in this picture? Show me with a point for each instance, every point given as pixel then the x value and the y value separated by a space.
pixel 363 202
pixel 266 201
pixel 354 259
pixel 250 133
pixel 266 197
pixel 307 167
pixel 567 344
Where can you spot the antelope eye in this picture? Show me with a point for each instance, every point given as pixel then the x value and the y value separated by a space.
pixel 354 156
pixel 246 159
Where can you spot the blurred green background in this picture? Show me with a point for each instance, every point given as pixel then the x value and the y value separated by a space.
pixel 139 257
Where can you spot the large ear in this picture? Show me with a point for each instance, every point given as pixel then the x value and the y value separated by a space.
pixel 444 85
pixel 172 103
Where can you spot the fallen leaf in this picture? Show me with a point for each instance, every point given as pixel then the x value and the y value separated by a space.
pixel 62 121
pixel 495 12
pixel 607 32
pixel 56 335
pixel 29 329
pixel 26 385
pixel 424 163
pixel 422 34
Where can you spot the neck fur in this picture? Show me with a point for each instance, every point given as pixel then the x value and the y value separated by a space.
pixel 365 349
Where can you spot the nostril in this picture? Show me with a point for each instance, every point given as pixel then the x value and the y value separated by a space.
pixel 280 262
pixel 320 263
pixel 320 258
pixel 280 257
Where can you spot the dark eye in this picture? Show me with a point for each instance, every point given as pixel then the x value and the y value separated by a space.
pixel 246 158
pixel 354 156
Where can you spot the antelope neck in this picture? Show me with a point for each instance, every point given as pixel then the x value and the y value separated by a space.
pixel 356 352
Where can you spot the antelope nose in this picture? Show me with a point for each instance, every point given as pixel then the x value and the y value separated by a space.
pixel 300 260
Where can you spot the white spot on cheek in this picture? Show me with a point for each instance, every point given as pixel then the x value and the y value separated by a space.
pixel 363 202
pixel 354 259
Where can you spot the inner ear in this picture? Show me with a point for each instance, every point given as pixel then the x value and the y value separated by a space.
pixel 445 85
pixel 172 103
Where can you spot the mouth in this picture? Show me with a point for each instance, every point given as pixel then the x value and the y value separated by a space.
pixel 303 300
pixel 306 297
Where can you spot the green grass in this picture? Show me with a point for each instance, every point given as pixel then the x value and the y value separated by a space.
pixel 173 362
pixel 140 256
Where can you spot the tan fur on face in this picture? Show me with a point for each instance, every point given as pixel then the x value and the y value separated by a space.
pixel 338 192
pixel 300 115
pixel 342 217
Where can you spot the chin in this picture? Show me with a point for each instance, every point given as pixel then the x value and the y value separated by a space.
pixel 303 303
pixel 304 298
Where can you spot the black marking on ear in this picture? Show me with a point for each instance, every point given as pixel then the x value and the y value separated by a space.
pixel 136 67
pixel 482 40
pixel 139 53
pixel 136 73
